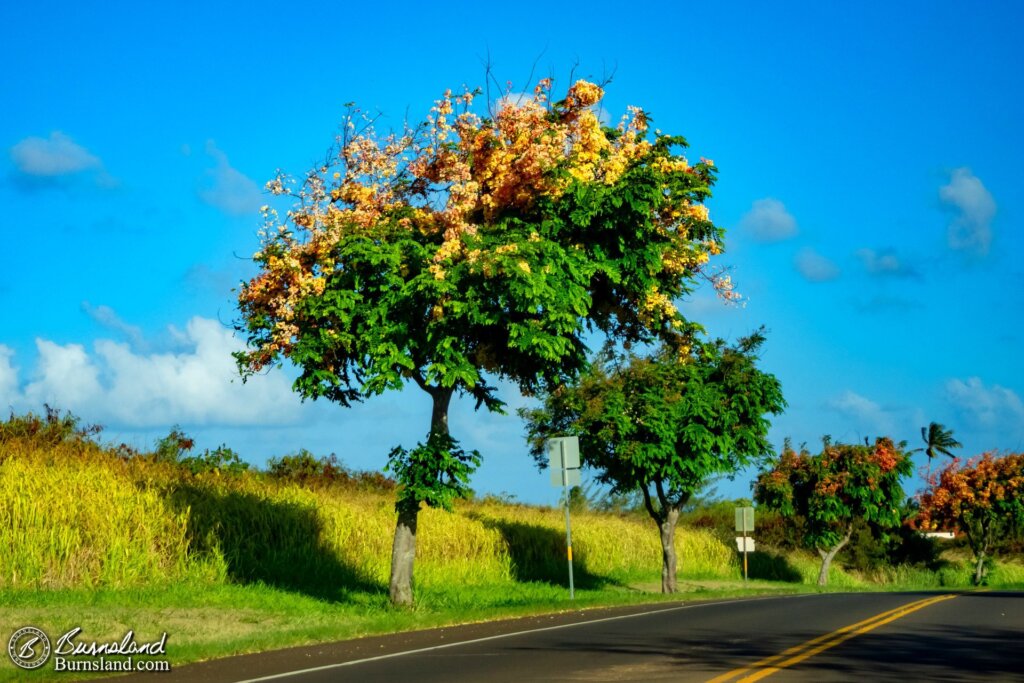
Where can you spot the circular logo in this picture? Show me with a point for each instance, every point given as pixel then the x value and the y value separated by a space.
pixel 29 648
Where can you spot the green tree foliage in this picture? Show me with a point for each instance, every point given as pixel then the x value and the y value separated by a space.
pixel 472 248
pixel 664 424
pixel 983 498
pixel 831 491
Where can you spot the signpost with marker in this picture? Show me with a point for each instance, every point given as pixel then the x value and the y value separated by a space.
pixel 745 525
pixel 564 461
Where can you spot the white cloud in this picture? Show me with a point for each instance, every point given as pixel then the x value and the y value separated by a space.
pixel 867 415
pixel 57 155
pixel 227 188
pixel 107 317
pixel 815 267
pixel 884 263
pixel 768 221
pixel 971 229
pixel 118 386
pixel 65 377
pixel 986 407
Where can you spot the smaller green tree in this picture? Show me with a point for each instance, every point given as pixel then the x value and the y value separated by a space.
pixel 663 425
pixel 832 490
pixel 983 498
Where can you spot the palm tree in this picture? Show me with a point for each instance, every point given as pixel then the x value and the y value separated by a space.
pixel 938 440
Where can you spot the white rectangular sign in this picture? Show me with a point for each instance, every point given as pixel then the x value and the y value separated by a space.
pixel 564 452
pixel 564 457
pixel 750 544
pixel 745 519
pixel 572 478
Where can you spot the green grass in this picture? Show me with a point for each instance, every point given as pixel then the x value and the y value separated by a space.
pixel 211 620
pixel 218 620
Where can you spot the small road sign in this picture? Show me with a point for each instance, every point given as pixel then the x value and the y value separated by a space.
pixel 564 452
pixel 745 544
pixel 745 519
pixel 571 477
pixel 745 525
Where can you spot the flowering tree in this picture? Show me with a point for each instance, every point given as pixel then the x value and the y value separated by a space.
pixel 663 425
pixel 470 248
pixel 835 488
pixel 982 498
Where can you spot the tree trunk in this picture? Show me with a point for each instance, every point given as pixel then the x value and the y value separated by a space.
pixel 984 543
pixel 668 551
pixel 979 568
pixel 827 556
pixel 665 515
pixel 403 554
pixel 403 549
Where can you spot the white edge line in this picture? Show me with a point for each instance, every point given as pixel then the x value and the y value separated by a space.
pixel 353 662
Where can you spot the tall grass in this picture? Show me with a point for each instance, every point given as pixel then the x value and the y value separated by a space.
pixel 65 521
pixel 73 514
pixel 76 515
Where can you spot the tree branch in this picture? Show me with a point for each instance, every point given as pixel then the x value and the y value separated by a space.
pixel 662 498
pixel 422 382
pixel 659 518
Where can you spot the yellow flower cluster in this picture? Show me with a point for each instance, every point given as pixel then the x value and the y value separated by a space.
pixel 657 305
pixel 583 94
pixel 588 148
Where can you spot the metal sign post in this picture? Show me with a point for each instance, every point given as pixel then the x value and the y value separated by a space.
pixel 568 533
pixel 745 524
pixel 564 454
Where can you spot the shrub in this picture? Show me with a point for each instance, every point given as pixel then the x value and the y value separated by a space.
pixel 307 469
pixel 50 429
pixel 220 459
pixel 173 447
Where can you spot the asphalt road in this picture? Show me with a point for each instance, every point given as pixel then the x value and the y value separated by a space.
pixel 903 637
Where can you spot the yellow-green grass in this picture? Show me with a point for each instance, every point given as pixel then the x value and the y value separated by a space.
pixel 76 516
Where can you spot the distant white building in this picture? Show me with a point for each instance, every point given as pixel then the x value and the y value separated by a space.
pixel 939 534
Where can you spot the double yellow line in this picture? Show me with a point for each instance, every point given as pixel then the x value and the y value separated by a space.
pixel 795 655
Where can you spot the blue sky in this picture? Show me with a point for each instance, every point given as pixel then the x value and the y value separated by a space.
pixel 870 186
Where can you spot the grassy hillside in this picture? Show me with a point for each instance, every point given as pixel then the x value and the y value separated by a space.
pixel 74 515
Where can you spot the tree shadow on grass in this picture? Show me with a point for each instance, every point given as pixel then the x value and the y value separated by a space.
pixel 771 566
pixel 538 553
pixel 279 544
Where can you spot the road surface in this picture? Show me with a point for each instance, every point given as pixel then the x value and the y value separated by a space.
pixel 834 637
